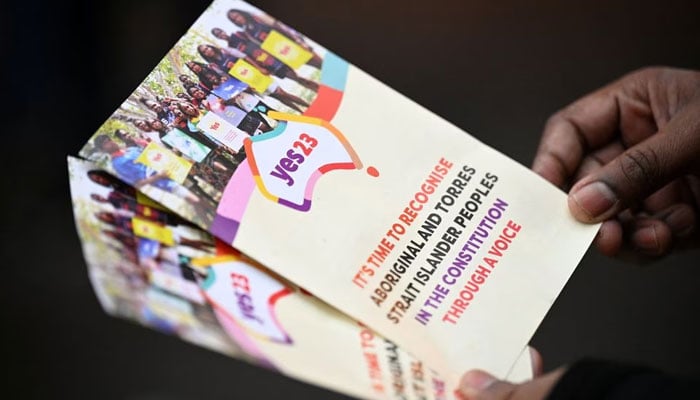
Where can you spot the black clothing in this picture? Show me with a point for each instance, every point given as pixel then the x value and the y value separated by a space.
pixel 603 380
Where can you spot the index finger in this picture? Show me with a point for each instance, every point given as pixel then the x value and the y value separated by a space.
pixel 586 124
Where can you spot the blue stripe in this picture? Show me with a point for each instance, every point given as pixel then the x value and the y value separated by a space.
pixel 334 72
pixel 211 277
pixel 281 125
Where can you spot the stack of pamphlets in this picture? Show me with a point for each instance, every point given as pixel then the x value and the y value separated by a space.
pixel 260 196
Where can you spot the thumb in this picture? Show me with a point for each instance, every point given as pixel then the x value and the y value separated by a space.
pixel 634 174
pixel 479 385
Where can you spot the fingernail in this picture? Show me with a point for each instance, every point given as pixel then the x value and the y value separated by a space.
pixel 474 382
pixel 646 239
pixel 681 221
pixel 594 199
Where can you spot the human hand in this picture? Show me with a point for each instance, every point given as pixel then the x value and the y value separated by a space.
pixel 630 152
pixel 479 385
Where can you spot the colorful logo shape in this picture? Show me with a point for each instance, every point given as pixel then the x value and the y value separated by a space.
pixel 243 183
pixel 287 161
pixel 248 296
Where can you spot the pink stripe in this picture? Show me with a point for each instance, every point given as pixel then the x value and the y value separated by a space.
pixel 240 337
pixel 237 193
pixel 311 183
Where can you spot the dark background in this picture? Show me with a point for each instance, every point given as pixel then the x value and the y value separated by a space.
pixel 496 69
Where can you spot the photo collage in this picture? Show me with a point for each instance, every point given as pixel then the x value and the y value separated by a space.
pixel 179 136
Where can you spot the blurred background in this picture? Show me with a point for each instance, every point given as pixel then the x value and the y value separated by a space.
pixel 496 69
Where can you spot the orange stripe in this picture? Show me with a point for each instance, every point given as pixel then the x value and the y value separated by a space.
pixel 326 103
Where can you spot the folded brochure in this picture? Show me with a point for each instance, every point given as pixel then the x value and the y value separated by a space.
pixel 153 267
pixel 427 236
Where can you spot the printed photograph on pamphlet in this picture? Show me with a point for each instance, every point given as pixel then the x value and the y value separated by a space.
pixel 185 125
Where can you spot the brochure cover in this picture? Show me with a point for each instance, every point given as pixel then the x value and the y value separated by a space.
pixel 148 265
pixel 343 186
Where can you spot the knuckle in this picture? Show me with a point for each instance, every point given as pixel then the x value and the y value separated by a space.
pixel 554 120
pixel 649 73
pixel 640 167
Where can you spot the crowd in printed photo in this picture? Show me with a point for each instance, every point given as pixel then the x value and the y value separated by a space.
pixel 161 119
pixel 140 278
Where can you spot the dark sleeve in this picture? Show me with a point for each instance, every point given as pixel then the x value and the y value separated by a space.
pixel 604 380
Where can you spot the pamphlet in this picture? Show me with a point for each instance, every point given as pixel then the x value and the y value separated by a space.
pixel 186 283
pixel 339 184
